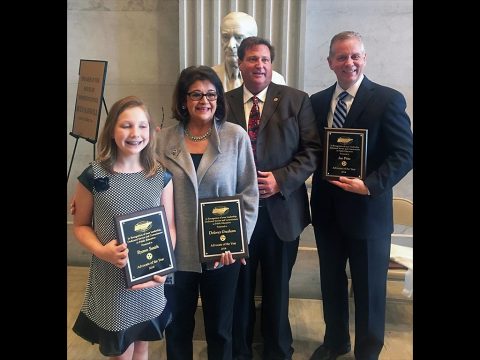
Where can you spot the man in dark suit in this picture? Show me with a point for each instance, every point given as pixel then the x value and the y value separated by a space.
pixel 353 219
pixel 286 150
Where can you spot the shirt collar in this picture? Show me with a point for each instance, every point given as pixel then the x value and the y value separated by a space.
pixel 352 90
pixel 262 95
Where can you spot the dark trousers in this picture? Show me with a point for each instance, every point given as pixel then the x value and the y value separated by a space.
pixel 276 259
pixel 217 290
pixel 368 259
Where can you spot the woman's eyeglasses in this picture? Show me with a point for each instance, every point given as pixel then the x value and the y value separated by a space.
pixel 197 95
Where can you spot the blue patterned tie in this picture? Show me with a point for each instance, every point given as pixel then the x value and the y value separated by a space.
pixel 340 111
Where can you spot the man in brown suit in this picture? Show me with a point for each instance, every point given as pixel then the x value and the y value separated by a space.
pixel 287 149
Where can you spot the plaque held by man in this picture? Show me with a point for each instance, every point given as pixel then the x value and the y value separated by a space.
pixel 150 250
pixel 222 228
pixel 344 153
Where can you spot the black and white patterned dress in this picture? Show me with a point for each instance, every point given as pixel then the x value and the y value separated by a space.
pixel 112 315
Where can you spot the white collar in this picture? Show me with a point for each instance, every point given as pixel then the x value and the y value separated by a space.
pixel 247 95
pixel 352 90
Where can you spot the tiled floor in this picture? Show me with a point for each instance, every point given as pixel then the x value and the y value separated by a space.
pixel 306 318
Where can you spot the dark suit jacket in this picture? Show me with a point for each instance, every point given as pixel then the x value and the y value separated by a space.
pixel 381 110
pixel 287 145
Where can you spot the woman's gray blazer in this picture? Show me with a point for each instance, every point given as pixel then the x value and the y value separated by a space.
pixel 227 168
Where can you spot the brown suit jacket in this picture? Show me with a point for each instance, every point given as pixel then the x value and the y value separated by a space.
pixel 288 145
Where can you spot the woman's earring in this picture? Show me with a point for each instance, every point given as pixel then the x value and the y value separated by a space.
pixel 183 107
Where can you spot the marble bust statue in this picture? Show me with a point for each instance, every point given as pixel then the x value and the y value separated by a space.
pixel 235 27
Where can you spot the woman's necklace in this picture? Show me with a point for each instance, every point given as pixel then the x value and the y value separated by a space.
pixel 197 138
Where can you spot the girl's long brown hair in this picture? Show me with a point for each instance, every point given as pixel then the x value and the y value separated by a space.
pixel 107 148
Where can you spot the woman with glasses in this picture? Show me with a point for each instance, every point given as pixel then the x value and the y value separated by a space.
pixel 208 158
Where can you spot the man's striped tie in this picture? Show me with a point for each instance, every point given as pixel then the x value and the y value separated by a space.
pixel 340 111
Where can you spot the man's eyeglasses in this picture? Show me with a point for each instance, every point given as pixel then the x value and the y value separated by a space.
pixel 197 95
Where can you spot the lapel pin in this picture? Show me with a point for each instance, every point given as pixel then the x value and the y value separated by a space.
pixel 275 99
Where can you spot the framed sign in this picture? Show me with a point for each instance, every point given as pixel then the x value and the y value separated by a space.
pixel 222 228
pixel 150 250
pixel 344 153
pixel 88 104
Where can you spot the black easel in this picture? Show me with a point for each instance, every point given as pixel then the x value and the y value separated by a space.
pixel 89 140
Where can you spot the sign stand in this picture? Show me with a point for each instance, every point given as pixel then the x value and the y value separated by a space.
pixel 88 104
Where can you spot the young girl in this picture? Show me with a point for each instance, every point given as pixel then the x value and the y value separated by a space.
pixel 126 177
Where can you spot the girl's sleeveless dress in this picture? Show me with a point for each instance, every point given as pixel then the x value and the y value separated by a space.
pixel 112 315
